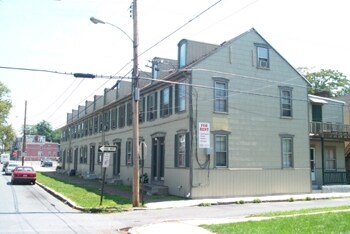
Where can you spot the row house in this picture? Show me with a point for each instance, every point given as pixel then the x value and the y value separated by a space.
pixel 220 121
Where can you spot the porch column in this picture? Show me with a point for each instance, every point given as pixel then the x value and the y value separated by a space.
pixel 322 154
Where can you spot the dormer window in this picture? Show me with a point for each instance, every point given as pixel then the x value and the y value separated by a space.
pixel 155 70
pixel 182 53
pixel 263 60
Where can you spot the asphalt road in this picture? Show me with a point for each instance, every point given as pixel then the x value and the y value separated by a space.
pixel 29 209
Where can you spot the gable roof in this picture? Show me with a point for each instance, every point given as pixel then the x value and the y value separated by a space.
pixel 225 44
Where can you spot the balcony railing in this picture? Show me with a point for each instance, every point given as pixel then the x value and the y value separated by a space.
pixel 329 130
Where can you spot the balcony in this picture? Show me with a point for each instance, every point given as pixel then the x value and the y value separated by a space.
pixel 329 130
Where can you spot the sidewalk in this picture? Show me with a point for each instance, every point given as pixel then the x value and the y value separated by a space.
pixel 176 226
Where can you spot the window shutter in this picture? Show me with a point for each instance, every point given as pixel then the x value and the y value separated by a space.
pixel 176 98
pixel 155 105
pixel 187 149
pixel 170 100
pixel 176 150
pixel 161 112
pixel 148 111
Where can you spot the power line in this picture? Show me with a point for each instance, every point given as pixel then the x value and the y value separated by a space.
pixel 179 28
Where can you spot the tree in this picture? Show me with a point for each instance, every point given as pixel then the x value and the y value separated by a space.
pixel 5 103
pixel 44 129
pixel 333 81
pixel 7 134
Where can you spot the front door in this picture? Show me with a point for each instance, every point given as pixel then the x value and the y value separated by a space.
pixel 116 160
pixel 76 159
pixel 158 159
pixel 312 165
pixel 92 159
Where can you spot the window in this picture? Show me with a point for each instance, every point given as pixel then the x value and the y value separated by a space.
pixel 155 70
pixel 220 96
pixel 100 123
pixel 221 150
pixel 95 124
pixel 106 120
pixel 286 101
pixel 287 151
pixel 180 98
pixel 182 150
pixel 142 109
pixel 129 114
pixel 182 53
pixel 91 126
pixel 152 106
pixel 121 117
pixel 330 158
pixel 129 149
pixel 166 102
pixel 86 127
pixel 262 57
pixel 114 118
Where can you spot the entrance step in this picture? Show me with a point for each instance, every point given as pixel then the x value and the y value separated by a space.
pixel 154 189
pixel 335 188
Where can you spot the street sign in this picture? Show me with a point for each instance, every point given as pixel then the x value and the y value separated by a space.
pixel 106 157
pixel 106 148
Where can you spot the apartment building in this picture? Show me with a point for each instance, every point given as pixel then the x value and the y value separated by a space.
pixel 220 121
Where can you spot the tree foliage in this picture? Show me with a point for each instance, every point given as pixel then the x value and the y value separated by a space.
pixel 333 81
pixel 44 129
pixel 7 134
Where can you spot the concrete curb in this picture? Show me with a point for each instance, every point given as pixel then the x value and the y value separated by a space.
pixel 62 198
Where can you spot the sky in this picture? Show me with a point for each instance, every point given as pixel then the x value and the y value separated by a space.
pixel 57 35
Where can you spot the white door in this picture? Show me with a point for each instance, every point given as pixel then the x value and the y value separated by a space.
pixel 312 165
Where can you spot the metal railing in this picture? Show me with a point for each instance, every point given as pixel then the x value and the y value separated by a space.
pixel 335 177
pixel 332 130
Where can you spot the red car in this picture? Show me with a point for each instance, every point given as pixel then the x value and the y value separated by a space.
pixel 23 174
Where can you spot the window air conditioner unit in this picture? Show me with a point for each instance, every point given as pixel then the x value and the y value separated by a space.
pixel 263 63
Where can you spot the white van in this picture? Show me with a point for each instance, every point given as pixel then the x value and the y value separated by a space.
pixel 5 158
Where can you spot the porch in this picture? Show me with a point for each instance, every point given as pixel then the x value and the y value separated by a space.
pixel 329 130
pixel 333 132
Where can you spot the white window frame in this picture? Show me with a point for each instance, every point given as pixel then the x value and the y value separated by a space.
pixel 331 158
pixel 263 57
pixel 287 150
pixel 221 149
pixel 286 102
pixel 220 95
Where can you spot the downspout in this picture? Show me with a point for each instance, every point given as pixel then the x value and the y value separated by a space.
pixel 190 100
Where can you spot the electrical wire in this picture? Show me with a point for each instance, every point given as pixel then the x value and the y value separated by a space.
pixel 179 28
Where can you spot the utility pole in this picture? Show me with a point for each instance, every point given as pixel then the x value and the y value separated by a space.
pixel 136 97
pixel 24 133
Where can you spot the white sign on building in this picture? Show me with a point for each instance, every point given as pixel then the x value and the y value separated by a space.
pixel 204 135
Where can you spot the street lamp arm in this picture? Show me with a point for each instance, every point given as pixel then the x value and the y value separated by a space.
pixel 98 21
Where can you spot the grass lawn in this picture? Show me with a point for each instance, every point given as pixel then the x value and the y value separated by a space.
pixel 88 198
pixel 329 222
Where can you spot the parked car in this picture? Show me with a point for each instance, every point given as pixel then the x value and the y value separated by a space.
pixel 23 174
pixel 9 168
pixel 46 163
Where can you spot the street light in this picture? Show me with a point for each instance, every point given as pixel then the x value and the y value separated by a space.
pixel 98 21
pixel 135 97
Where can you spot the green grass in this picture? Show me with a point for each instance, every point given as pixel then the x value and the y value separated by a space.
pixel 302 211
pixel 329 222
pixel 88 198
